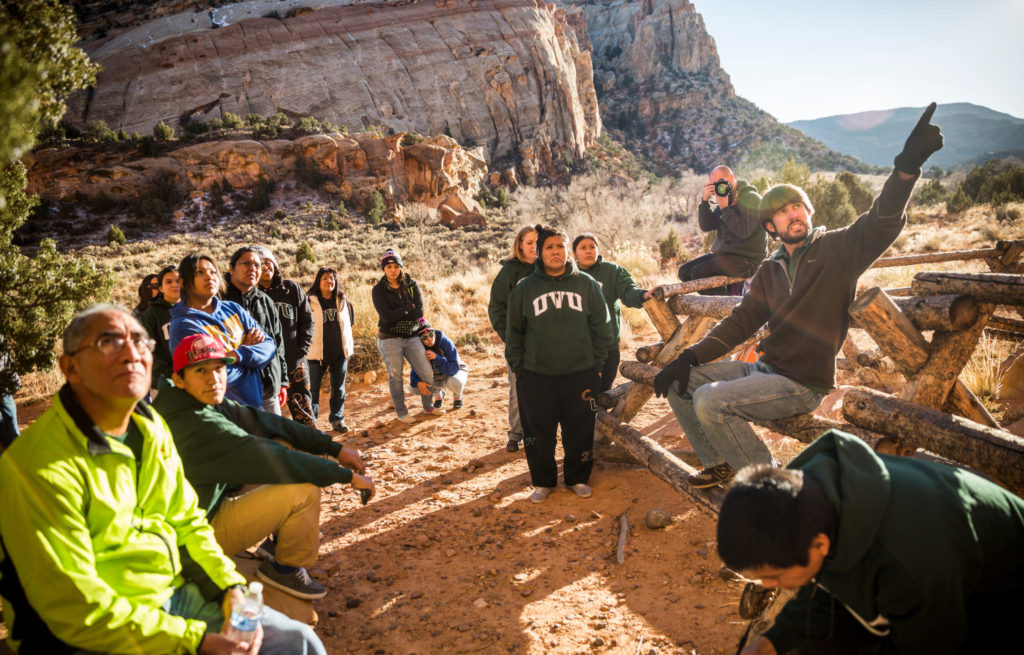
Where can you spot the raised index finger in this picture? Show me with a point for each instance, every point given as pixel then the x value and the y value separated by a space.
pixel 926 117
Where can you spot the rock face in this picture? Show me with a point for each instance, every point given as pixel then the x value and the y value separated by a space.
pixel 662 89
pixel 507 75
pixel 438 172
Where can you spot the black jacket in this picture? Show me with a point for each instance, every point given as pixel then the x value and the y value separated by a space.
pixel 295 315
pixel 264 311
pixel 399 309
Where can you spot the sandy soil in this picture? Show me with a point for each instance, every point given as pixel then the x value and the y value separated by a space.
pixel 451 556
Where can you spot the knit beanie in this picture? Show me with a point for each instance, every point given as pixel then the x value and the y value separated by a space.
pixel 264 253
pixel 422 325
pixel 779 196
pixel 391 256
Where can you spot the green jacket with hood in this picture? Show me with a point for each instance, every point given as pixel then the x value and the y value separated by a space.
pixel 557 325
pixel 917 546
pixel 231 444
pixel 616 285
pixel 99 534
pixel 738 230
pixel 511 273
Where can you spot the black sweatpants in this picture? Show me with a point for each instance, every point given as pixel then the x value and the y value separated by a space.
pixel 711 265
pixel 547 401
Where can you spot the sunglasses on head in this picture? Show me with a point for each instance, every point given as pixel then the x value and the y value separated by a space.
pixel 428 334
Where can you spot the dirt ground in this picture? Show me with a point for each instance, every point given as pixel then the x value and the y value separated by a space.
pixel 452 557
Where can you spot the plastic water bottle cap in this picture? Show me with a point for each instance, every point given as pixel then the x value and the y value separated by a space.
pixel 256 587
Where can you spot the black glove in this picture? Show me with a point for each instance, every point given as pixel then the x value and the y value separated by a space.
pixel 678 370
pixel 924 140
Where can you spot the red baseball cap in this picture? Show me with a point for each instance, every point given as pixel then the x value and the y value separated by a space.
pixel 197 348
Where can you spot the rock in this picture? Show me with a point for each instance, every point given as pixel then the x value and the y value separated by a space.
pixel 480 603
pixel 475 464
pixel 597 642
pixel 416 594
pixel 353 602
pixel 525 592
pixel 369 377
pixel 657 518
pixel 319 574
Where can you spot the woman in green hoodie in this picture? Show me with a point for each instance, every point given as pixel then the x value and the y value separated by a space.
pixel 559 333
pixel 617 286
pixel 513 269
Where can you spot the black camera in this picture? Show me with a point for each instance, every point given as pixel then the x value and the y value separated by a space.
pixel 723 188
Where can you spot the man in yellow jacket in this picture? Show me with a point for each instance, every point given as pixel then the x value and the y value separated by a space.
pixel 103 546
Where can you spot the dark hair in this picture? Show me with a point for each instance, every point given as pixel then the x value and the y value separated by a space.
pixel 770 516
pixel 163 273
pixel 546 231
pixel 241 251
pixel 585 235
pixel 145 292
pixel 187 271
pixel 315 289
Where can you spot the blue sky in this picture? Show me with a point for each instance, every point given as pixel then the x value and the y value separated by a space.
pixel 800 60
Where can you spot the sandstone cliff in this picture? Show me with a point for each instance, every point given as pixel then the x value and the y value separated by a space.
pixel 663 91
pixel 508 75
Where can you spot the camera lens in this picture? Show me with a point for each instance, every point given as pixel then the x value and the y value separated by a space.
pixel 722 188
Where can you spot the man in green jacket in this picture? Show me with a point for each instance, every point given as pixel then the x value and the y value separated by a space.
pixel 888 552
pixel 225 445
pixel 803 292
pixel 103 545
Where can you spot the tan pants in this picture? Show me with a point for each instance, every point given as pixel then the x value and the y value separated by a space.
pixel 290 510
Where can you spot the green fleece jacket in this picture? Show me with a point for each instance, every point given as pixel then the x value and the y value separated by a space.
pixel 808 314
pixel 737 227
pixel 512 271
pixel 231 444
pixel 918 547
pixel 100 533
pixel 557 325
pixel 618 288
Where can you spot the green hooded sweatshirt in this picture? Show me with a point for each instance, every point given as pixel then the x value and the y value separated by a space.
pixel 557 325
pixel 917 547
pixel 616 285
pixel 231 444
pixel 512 271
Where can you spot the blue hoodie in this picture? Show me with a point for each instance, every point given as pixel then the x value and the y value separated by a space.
pixel 228 324
pixel 447 361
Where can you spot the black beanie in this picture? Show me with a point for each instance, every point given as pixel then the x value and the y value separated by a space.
pixel 391 256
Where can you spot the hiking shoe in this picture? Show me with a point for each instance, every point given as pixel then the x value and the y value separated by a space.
pixel 407 419
pixel 512 446
pixel 339 426
pixel 457 404
pixel 437 403
pixel 266 549
pixel 434 411
pixel 540 494
pixel 294 583
pixel 582 490
pixel 711 477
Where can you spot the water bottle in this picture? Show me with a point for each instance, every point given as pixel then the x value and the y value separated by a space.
pixel 246 615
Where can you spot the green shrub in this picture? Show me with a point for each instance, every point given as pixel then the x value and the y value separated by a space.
pixel 670 247
pixel 797 173
pixel 260 198
pixel 232 121
pixel 304 253
pixel 149 206
pixel 308 174
pixel 342 209
pixel 163 132
pixel 831 201
pixel 254 120
pixel 959 202
pixel 931 193
pixel 280 120
pixel 216 124
pixel 195 127
pixel 309 125
pixel 860 193
pixel 1007 214
pixel 279 214
pixel 412 138
pixel 115 236
pixel 98 132
pixel 375 208
pixel 501 197
pixel 266 131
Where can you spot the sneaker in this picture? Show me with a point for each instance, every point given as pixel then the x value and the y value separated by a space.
pixel 457 404
pixel 407 419
pixel 540 494
pixel 582 490
pixel 294 583
pixel 711 477
pixel 266 549
pixel 434 411
pixel 437 403
pixel 339 426
pixel 512 446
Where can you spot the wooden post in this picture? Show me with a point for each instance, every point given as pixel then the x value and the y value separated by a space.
pixel 947 313
pixel 664 320
pixel 934 257
pixel 669 290
pixel 947 356
pixel 607 399
pixel 661 462
pixel 999 288
pixel 898 339
pixel 1009 259
pixel 992 451
pixel 711 306
pixel 608 452
pixel 648 353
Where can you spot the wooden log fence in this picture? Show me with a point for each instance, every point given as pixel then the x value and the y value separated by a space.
pixel 668 290
pixel 998 288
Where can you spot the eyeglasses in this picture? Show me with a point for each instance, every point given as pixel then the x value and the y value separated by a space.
pixel 427 336
pixel 112 344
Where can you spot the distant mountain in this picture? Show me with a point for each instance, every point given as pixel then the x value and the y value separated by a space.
pixel 875 137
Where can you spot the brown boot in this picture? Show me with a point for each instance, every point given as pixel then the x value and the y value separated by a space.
pixel 711 477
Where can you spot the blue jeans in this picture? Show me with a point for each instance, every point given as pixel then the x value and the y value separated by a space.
pixel 393 351
pixel 721 398
pixel 337 369
pixel 8 421
pixel 281 635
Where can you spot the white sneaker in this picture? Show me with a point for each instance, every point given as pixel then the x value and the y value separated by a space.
pixel 582 490
pixel 434 411
pixel 407 419
pixel 540 494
